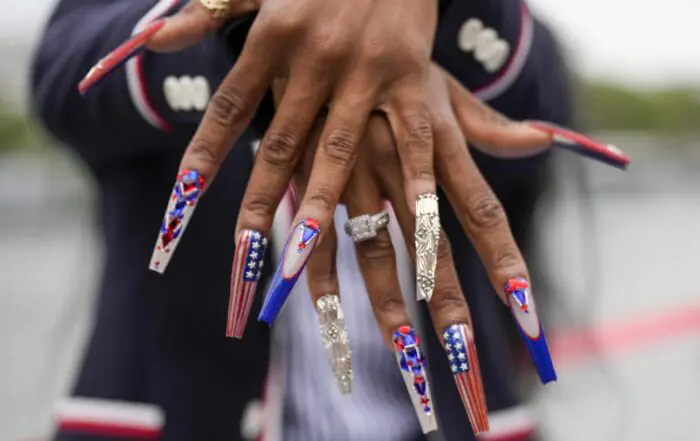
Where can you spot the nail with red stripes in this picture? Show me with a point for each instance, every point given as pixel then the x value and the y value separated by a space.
pixel 119 56
pixel 181 205
pixel 300 245
pixel 245 273
pixel 414 372
pixel 522 305
pixel 569 140
pixel 459 344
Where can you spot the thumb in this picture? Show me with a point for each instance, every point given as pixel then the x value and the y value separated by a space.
pixel 492 132
pixel 186 28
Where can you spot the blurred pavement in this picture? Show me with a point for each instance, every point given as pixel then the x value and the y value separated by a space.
pixel 621 247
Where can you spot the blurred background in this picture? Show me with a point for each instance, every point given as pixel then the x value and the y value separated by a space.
pixel 620 250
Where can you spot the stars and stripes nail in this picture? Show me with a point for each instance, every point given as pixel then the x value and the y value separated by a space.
pixel 300 244
pixel 181 205
pixel 580 144
pixel 414 372
pixel 459 345
pixel 118 56
pixel 248 261
pixel 524 310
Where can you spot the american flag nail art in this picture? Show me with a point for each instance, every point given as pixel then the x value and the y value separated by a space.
pixel 523 308
pixel 118 56
pixel 414 372
pixel 569 140
pixel 458 341
pixel 248 260
pixel 183 201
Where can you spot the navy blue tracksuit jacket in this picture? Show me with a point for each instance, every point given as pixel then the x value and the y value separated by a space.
pixel 159 339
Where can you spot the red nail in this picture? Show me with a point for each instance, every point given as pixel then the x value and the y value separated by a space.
pixel 119 56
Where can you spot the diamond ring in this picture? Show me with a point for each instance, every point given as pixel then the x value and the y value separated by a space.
pixel 366 226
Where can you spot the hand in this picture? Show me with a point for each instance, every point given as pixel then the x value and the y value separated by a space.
pixel 354 57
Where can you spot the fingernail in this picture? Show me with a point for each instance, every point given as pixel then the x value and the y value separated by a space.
pixel 461 353
pixel 300 244
pixel 118 56
pixel 334 335
pixel 522 305
pixel 247 267
pixel 414 372
pixel 583 145
pixel 427 238
pixel 183 201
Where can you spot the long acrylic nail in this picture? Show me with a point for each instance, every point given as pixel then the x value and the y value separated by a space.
pixel 522 305
pixel 334 335
pixel 247 267
pixel 461 353
pixel 413 369
pixel 118 56
pixel 427 238
pixel 300 244
pixel 583 145
pixel 183 201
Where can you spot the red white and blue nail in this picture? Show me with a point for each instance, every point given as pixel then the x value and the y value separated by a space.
pixel 119 56
pixel 248 261
pixel 522 305
pixel 458 341
pixel 183 201
pixel 569 140
pixel 414 372
pixel 300 244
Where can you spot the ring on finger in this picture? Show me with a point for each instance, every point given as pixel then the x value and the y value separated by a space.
pixel 218 8
pixel 365 227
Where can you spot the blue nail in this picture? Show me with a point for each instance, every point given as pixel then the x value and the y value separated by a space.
pixel 300 244
pixel 522 305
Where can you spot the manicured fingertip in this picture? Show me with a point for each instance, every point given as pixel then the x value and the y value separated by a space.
pixel 524 310
pixel 300 245
pixel 582 145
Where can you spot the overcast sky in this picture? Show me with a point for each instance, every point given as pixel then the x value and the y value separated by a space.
pixel 642 42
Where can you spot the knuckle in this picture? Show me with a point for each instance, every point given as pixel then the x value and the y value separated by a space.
pixel 485 211
pixel 506 257
pixel 420 132
pixel 448 299
pixel 279 149
pixel 281 26
pixel 205 154
pixel 258 209
pixel 325 199
pixel 378 252
pixel 444 252
pixel 391 305
pixel 340 148
pixel 227 106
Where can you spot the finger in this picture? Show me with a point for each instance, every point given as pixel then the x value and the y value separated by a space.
pixel 229 112
pixel 275 162
pixel 485 222
pixel 412 123
pixel 494 134
pixel 322 278
pixel 449 312
pixel 118 56
pixel 377 262
pixel 332 165
pixel 194 21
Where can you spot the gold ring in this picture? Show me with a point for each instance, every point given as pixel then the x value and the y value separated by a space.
pixel 218 8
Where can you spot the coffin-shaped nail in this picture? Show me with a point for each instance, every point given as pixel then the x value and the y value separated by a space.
pixel 334 335
pixel 119 56
pixel 569 140
pixel 414 372
pixel 300 244
pixel 461 354
pixel 183 201
pixel 522 305
pixel 427 238
pixel 248 260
